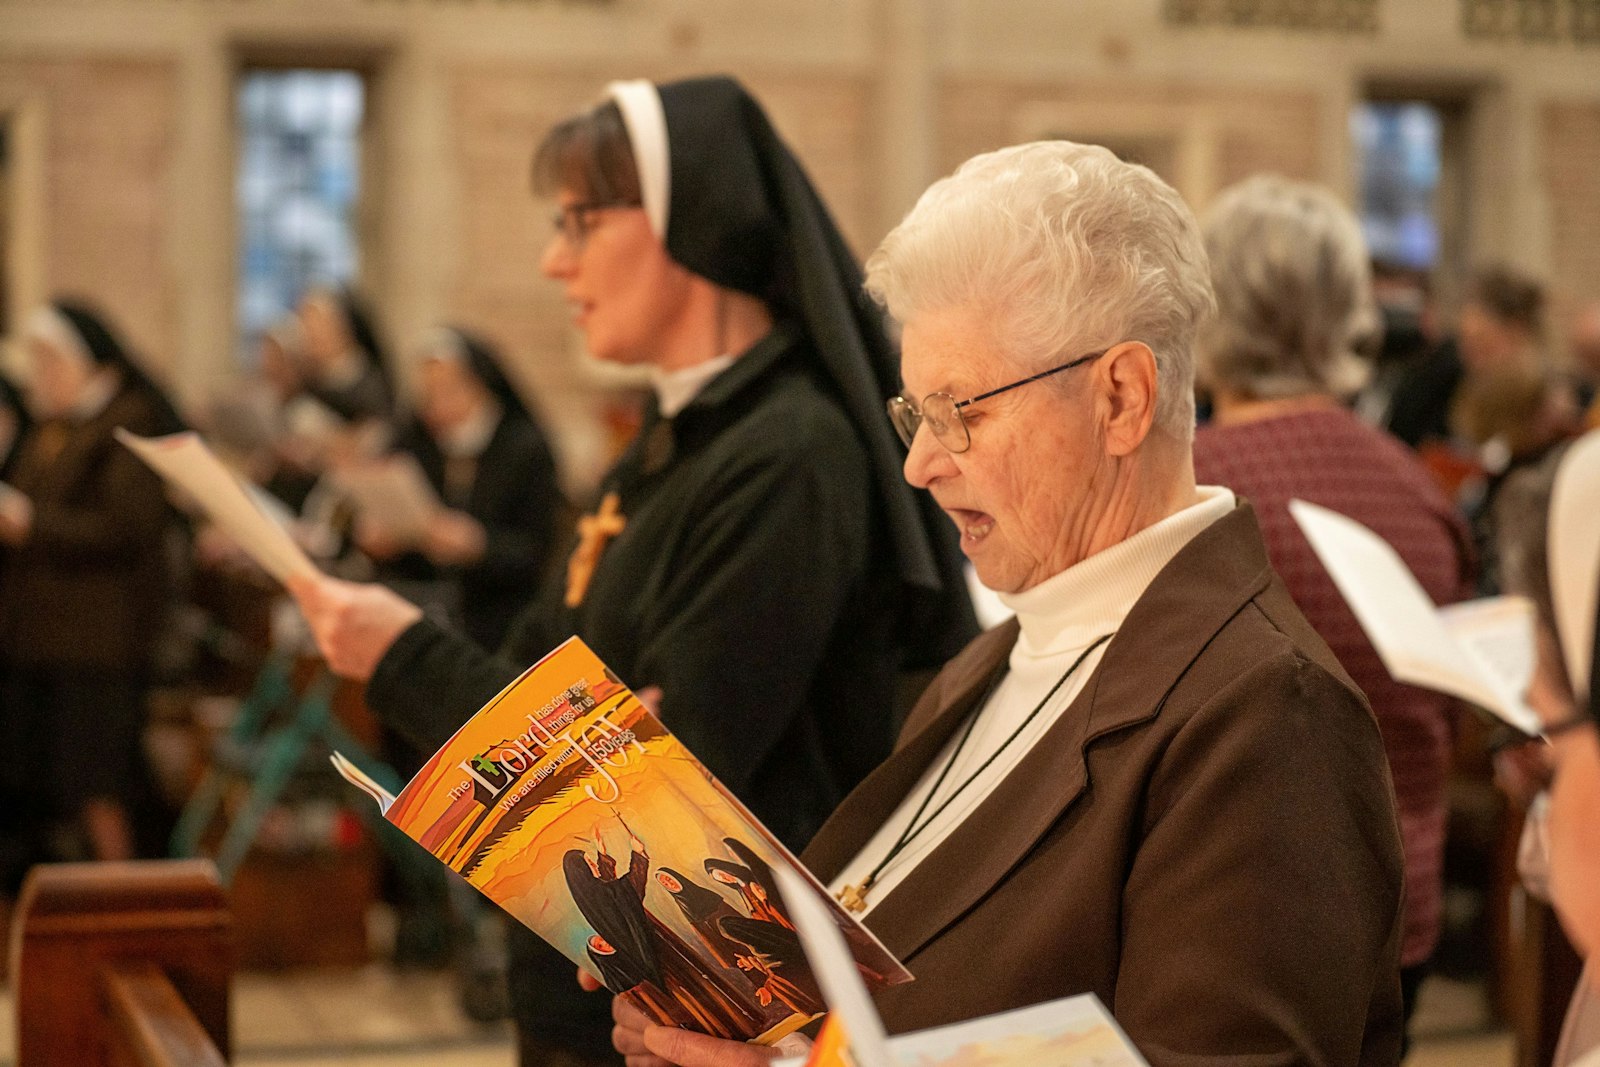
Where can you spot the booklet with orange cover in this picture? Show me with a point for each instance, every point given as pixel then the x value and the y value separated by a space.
pixel 567 802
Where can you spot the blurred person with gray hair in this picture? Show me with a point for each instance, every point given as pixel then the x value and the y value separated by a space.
pixel 1156 783
pixel 1295 313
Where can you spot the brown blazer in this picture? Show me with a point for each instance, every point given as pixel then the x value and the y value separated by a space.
pixel 1206 839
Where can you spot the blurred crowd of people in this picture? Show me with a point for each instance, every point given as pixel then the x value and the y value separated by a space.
pixel 102 571
pixel 1324 377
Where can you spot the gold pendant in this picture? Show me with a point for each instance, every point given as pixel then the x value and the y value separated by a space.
pixel 854 897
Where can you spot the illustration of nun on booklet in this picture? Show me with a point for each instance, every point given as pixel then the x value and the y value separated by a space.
pixel 568 803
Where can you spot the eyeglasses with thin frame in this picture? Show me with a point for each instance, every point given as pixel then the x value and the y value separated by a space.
pixel 942 412
pixel 575 222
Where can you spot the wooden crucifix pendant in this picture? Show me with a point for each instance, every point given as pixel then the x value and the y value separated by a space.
pixel 594 531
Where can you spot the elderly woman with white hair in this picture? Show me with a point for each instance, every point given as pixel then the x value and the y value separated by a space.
pixel 1155 784
pixel 1295 308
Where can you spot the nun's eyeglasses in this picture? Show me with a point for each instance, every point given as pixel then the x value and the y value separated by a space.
pixel 941 412
pixel 575 222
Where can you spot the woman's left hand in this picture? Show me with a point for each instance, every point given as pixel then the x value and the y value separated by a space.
pixel 645 1044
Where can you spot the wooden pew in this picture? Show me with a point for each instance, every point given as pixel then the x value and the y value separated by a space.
pixel 122 965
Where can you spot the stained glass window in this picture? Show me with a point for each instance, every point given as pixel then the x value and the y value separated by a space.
pixel 1398 155
pixel 298 182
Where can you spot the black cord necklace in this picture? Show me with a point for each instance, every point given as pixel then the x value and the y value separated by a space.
pixel 854 897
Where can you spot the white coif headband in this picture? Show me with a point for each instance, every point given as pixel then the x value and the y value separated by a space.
pixel 47 324
pixel 640 105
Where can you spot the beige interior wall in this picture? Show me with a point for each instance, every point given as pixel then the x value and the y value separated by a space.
pixel 878 97
pixel 99 133
pixel 1199 137
pixel 1570 165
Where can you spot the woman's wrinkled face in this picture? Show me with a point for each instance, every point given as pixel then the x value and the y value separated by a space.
pixel 1575 837
pixel 1018 495
pixel 58 378
pixel 624 290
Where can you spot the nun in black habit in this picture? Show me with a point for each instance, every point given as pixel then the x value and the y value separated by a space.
pixel 84 589
pixel 347 370
pixel 769 569
pixel 490 463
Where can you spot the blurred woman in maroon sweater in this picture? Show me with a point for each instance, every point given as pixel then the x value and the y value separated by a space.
pixel 1294 310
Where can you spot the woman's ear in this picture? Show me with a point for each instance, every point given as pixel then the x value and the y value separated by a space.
pixel 1127 378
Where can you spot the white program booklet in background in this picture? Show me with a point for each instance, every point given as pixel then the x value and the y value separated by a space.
pixel 1498 633
pixel 1481 652
pixel 1575 554
pixel 392 492
pixel 186 463
pixel 1073 1032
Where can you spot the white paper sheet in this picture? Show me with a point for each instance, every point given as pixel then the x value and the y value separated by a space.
pixel 362 781
pixel 393 493
pixel 1073 1032
pixel 1413 640
pixel 184 461
pixel 1575 554
pixel 1498 633
pixel 842 987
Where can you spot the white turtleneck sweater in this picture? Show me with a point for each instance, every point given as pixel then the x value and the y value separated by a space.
pixel 1060 618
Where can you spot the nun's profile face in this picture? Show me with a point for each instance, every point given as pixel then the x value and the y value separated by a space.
pixel 59 378
pixel 626 294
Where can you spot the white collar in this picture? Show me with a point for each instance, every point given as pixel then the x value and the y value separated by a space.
pixel 1092 597
pixel 468 440
pixel 676 388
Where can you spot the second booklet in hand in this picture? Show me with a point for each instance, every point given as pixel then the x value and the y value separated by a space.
pixel 568 803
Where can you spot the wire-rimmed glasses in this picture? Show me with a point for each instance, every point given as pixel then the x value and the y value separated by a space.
pixel 941 412
pixel 575 222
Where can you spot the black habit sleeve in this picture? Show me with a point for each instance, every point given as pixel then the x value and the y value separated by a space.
pixel 431 680
pixel 517 505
